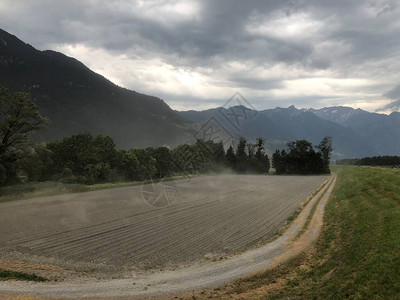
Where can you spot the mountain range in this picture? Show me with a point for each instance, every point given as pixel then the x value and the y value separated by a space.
pixel 355 132
pixel 76 99
pixel 380 131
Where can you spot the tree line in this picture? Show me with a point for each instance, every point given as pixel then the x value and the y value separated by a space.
pixel 86 158
pixel 301 158
pixel 385 160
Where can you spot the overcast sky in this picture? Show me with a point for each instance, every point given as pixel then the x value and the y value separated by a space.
pixel 196 54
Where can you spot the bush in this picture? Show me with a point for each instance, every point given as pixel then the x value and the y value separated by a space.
pixel 96 173
pixel 66 176
pixel 2 174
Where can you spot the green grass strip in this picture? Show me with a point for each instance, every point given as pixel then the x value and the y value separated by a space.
pixel 311 214
pixel 358 253
pixel 8 274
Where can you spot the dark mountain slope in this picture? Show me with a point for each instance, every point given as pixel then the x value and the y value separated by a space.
pixel 77 99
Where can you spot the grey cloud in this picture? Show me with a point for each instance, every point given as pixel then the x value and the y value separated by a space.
pixel 393 93
pixel 219 31
pixel 393 106
pixel 218 34
pixel 243 81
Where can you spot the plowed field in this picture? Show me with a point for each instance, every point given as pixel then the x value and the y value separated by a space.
pixel 210 214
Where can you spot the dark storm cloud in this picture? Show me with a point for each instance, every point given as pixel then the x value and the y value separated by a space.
pixel 352 39
pixel 241 81
pixel 219 31
pixel 392 94
pixel 392 106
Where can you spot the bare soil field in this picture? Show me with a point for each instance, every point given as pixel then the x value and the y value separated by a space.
pixel 208 217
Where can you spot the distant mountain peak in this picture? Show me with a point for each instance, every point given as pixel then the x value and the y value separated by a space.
pixel 238 107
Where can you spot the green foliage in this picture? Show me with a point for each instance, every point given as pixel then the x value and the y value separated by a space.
pixel 3 174
pixel 219 154
pixel 16 275
pixel 38 163
pixel 248 158
pixel 19 118
pixel 66 176
pixel 89 158
pixel 204 156
pixel 279 162
pixel 326 148
pixel 241 156
pixel 303 159
pixel 80 150
pixel 146 167
pixel 99 172
pixel 262 163
pixel 231 158
pixel 385 160
pixel 163 161
pixel 129 165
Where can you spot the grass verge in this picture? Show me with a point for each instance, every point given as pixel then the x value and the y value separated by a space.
pixel 358 253
pixel 8 274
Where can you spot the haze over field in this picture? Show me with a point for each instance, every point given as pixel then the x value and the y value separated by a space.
pixel 195 54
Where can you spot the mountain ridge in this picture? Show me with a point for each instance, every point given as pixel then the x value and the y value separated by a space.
pixel 76 99
pixel 290 123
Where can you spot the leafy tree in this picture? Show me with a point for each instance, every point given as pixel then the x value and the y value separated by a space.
pixel 302 158
pixel 163 158
pixel 38 164
pixel 326 148
pixel 231 158
pixel 85 155
pixel 3 173
pixel 262 159
pixel 252 164
pixel 129 165
pixel 19 119
pixel 147 164
pixel 202 159
pixel 219 155
pixel 284 161
pixel 99 172
pixel 241 156
pixel 182 158
pixel 279 162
